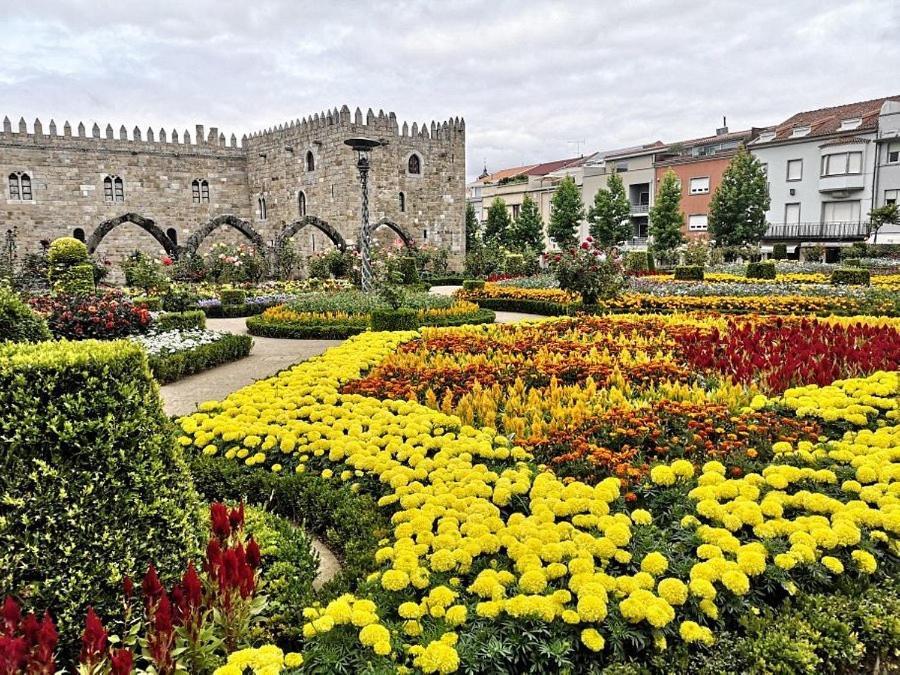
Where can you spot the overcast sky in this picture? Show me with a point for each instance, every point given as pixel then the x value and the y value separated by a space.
pixel 530 77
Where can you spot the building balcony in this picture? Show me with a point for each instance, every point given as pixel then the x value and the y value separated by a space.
pixel 828 231
pixel 639 209
pixel 848 182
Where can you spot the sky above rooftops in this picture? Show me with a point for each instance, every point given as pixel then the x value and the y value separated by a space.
pixel 535 81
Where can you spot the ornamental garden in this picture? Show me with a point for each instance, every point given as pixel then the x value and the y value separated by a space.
pixel 693 469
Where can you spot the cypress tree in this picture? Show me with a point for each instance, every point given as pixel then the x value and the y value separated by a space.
pixel 471 227
pixel 666 219
pixel 610 214
pixel 737 212
pixel 566 212
pixel 498 222
pixel 528 230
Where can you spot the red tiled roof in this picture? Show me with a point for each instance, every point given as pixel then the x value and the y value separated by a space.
pixel 549 167
pixel 825 121
pixel 506 173
pixel 845 140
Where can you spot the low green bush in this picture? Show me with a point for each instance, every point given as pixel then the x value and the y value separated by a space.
pixel 779 251
pixel 178 299
pixel 150 303
pixel 67 251
pixel 171 367
pixel 408 270
pixel 452 280
pixel 94 486
pixel 761 270
pixel 180 320
pixel 289 566
pixel 74 280
pixel 850 276
pixel 689 273
pixel 852 262
pixel 258 326
pixel 514 264
pixel 394 319
pixel 233 296
pixel 473 284
pixel 18 322
pixel 525 306
pixel 637 261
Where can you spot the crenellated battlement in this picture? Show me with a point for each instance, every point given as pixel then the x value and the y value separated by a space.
pixel 157 138
pixel 381 124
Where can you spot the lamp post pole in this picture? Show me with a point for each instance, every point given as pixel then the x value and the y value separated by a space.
pixel 363 146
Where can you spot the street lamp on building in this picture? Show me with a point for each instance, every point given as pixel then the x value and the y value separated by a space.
pixel 363 146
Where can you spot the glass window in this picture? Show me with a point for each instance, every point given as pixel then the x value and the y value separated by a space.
pixel 108 189
pixel 204 191
pixel 894 153
pixel 795 169
pixel 699 185
pixel 14 192
pixel 840 212
pixel 891 196
pixel 698 222
pixel 301 203
pixel 854 162
pixel 792 213
pixel 310 161
pixel 25 182
pixel 119 188
pixel 840 163
pixel 195 191
pixel 414 166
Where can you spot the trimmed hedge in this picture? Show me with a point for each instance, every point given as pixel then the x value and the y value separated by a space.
pixel 150 303
pixel 403 318
pixel 18 322
pixel 67 251
pixel 445 281
pixel 779 251
pixel 171 367
pixel 74 280
pixel 94 486
pixel 181 320
pixel 761 270
pixel 542 307
pixel 689 273
pixel 851 276
pixel 473 284
pixel 235 311
pixel 638 261
pixel 233 296
pixel 852 262
pixel 258 326
pixel 349 523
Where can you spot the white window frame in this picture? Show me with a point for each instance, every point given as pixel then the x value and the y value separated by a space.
pixel 790 162
pixel 31 185
pixel 799 213
pixel 698 228
pixel 826 205
pixel 833 159
pixel 698 191
pixel 892 194
pixel 893 149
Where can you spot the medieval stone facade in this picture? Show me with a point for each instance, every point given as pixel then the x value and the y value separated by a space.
pixel 298 183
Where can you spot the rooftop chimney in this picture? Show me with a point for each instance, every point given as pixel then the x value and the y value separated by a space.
pixel 724 128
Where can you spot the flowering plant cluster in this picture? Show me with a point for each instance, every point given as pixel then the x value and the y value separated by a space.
pixel 592 272
pixel 103 316
pixel 484 538
pixel 173 341
pixel 226 263
pixel 27 645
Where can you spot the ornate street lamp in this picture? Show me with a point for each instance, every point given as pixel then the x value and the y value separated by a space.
pixel 363 146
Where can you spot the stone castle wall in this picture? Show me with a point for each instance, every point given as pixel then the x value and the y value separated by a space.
pixel 67 172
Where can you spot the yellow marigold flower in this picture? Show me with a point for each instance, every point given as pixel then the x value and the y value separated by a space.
pixel 702 588
pixel 736 582
pixel 865 561
pixel 662 475
pixel 674 591
pixel 592 639
pixel 533 581
pixel 654 563
pixel 394 580
pixel 691 631
pixel 832 564
pixel 456 615
pixel 374 633
pixel 591 608
pixel 293 660
pixel 437 657
pixel 683 468
pixel 709 608
pixel 641 517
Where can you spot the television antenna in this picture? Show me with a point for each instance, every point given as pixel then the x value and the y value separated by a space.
pixel 577 145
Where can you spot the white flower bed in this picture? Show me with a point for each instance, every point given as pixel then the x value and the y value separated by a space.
pixel 172 341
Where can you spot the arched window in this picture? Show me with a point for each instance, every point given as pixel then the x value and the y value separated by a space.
pixel 200 190
pixel 172 234
pixel 402 203
pixel 310 161
pixel 78 233
pixel 301 203
pixel 261 208
pixel 20 186
pixel 113 189
pixel 414 165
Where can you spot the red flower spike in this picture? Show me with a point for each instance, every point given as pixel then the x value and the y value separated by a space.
pixel 253 554
pixel 219 517
pixel 236 517
pixel 93 640
pixel 128 587
pixel 31 628
pixel 11 615
pixel 121 662
pixel 213 556
pixel 193 587
pixel 151 586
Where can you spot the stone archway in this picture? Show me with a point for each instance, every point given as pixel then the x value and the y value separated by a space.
pixel 239 224
pixel 405 236
pixel 146 224
pixel 321 225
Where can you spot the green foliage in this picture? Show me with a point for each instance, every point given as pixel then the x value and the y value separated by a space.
pixel 850 276
pixel 471 226
pixel 696 253
pixel 590 272
pixel 74 280
pixel 169 367
pixel 103 494
pixel 528 229
pixel 737 211
pixel 852 262
pixel 515 264
pixel 610 214
pixel 666 219
pixel 233 296
pixel 408 271
pixel 142 271
pixel 485 259
pixel 497 227
pixel 689 273
pixel 889 214
pixel 402 318
pixel 189 266
pixel 327 329
pixel 151 304
pixel 18 322
pixel 473 284
pixel 779 251
pixel 566 212
pixel 332 265
pixel 636 261
pixel 179 298
pixel 180 320
pixel 761 270
pixel 67 251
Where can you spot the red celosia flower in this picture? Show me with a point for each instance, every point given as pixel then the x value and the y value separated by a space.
pixel 151 586
pixel 93 640
pixel 11 615
pixel 121 661
pixel 128 587
pixel 253 553
pixel 219 516
pixel 213 556
pixel 236 517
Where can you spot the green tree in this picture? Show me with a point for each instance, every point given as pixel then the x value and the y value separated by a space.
pixel 737 212
pixel 471 226
pixel 610 214
pixel 666 219
pixel 528 230
pixel 498 222
pixel 888 214
pixel 566 212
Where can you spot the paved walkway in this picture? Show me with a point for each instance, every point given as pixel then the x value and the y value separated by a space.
pixel 268 356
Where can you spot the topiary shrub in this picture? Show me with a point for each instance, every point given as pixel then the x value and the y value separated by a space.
pixel 233 296
pixel 761 270
pixel 67 251
pixel 94 486
pixel 180 320
pixel 689 273
pixel 779 251
pixel 394 319
pixel 852 262
pixel 636 262
pixel 514 265
pixel 18 322
pixel 408 270
pixel 177 299
pixel 473 284
pixel 850 276
pixel 74 280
